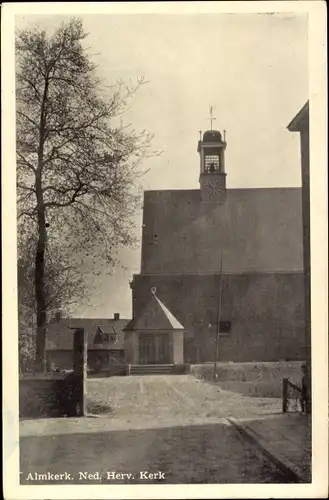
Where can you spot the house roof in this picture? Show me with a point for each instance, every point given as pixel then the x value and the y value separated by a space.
pixel 300 120
pixel 60 334
pixel 256 230
pixel 155 316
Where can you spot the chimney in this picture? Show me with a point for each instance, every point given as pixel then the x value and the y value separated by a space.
pixel 116 316
pixel 58 316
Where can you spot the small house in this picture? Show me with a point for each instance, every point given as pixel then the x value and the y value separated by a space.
pixel 105 341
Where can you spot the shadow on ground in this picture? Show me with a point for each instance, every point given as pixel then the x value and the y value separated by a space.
pixel 94 408
pixel 98 408
pixel 192 454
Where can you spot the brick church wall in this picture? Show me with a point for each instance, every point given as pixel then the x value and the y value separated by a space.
pixel 266 311
pixel 257 230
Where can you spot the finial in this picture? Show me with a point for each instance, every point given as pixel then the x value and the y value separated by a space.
pixel 153 290
pixel 224 134
pixel 212 118
pixel 200 132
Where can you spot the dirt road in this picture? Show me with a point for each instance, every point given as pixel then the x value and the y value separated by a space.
pixel 169 429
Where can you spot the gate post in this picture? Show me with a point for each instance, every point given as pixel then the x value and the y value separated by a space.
pixel 80 370
pixel 284 395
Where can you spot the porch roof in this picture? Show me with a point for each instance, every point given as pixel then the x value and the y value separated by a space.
pixel 155 316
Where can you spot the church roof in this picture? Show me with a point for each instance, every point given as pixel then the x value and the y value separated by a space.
pixel 300 120
pixel 102 333
pixel 256 230
pixel 155 316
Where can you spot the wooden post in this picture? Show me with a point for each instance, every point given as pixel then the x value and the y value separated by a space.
pixel 284 395
pixel 80 370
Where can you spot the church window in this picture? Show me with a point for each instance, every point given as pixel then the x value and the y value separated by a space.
pixel 212 163
pixel 225 327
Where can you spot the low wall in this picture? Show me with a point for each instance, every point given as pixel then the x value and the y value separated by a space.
pixel 251 379
pixel 50 395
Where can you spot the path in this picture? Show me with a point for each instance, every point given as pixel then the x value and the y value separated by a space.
pixel 286 438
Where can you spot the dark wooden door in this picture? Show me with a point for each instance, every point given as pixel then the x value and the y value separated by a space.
pixel 154 349
pixel 146 349
pixel 163 349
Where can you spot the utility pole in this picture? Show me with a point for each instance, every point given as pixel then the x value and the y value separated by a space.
pixel 219 314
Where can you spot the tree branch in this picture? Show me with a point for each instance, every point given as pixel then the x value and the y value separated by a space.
pixel 24 213
pixel 77 192
pixel 24 115
pixel 26 162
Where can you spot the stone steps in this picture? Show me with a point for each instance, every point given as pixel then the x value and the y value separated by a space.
pixel 114 370
pixel 151 369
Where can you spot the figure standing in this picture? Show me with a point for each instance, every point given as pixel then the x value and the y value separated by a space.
pixel 305 388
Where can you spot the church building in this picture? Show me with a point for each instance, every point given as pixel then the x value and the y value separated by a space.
pixel 223 264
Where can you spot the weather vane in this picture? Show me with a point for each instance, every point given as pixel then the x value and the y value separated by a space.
pixel 212 118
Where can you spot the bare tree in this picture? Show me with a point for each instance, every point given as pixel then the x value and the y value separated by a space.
pixel 77 167
pixel 64 281
pixel 64 288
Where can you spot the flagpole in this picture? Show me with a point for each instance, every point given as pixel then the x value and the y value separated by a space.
pixel 219 314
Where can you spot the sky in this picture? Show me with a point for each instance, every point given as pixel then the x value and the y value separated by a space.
pixel 253 68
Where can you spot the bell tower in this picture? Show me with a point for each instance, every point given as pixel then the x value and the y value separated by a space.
pixel 211 148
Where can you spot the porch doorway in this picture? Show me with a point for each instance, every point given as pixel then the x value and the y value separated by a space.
pixel 155 348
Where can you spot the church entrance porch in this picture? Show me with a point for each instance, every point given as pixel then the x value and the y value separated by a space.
pixel 155 337
pixel 155 348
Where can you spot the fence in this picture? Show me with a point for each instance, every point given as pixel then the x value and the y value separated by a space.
pixel 293 398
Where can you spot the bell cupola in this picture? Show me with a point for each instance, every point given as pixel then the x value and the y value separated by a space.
pixel 211 148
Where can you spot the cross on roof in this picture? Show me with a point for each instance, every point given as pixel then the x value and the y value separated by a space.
pixel 212 118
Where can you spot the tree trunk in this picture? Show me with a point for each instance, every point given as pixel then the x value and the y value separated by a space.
pixel 40 289
pixel 40 293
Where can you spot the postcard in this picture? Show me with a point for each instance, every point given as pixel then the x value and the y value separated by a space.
pixel 164 250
